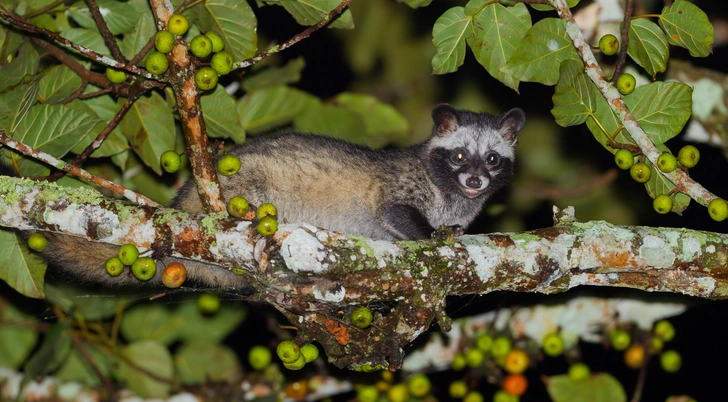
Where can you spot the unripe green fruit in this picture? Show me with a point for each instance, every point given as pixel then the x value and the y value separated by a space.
pixel 217 43
pixel 718 209
pixel 609 44
pixel 288 352
pixel 201 46
pixel 157 63
pixel 310 352
pixel 640 172
pixel 368 393
pixel 419 385
pixel 501 347
pixel 579 371
pixel 228 165
pixel 267 225
pixel 671 361
pixel 170 161
pixel 473 396
pixel 620 339
pixel 667 162
pixel 458 362
pixel 553 344
pixel 266 209
pixel 128 254
pixel 297 365
pixel 688 156
pixel 206 78
pixel 484 342
pixel 144 268
pixel 37 242
pixel 656 344
pixel 115 76
pixel 114 266
pixel 474 357
pixel 164 41
pixel 624 159
pixel 361 317
pixel 664 330
pixel 398 393
pixel 178 24
pixel 237 206
pixel 259 357
pixel 458 389
pixel 503 396
pixel 222 62
pixel 626 84
pixel 208 303
pixel 662 204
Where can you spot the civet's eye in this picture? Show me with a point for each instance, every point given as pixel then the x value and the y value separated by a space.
pixel 492 159
pixel 459 156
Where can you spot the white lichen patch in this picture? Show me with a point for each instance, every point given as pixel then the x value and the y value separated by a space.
pixel 233 246
pixel 243 226
pixel 446 252
pixel 322 236
pixel 485 263
pixel 710 249
pixel 672 237
pixel 302 252
pixel 704 286
pixel 69 219
pixel 385 252
pixel 329 296
pixel 656 253
pixel 690 248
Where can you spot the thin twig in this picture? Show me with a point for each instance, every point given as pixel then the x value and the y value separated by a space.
pixel 641 380
pixel 76 171
pixel 91 77
pixel 187 4
pixel 43 10
pixel 96 93
pixel 143 52
pixel 105 32
pixel 108 386
pixel 297 38
pixel 622 58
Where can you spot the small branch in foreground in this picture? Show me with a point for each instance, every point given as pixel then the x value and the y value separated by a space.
pixel 78 172
pixel 43 10
pixel 622 58
pixel 297 38
pixel 105 33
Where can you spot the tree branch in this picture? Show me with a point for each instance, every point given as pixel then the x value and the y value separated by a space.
pixel 624 33
pixel 104 29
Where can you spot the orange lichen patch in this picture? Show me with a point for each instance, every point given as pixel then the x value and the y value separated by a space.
pixel 612 258
pixel 187 234
pixel 340 332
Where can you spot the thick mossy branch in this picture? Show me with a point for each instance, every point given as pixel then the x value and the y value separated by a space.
pixel 316 277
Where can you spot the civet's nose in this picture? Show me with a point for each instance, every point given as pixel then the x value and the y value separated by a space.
pixel 473 182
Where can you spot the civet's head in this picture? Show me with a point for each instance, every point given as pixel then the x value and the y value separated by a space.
pixel 472 153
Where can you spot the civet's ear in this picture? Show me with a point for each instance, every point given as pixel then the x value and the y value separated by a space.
pixel 445 118
pixel 511 123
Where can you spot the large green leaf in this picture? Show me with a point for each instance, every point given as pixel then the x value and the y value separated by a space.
pixel 416 3
pixel 120 17
pixel 320 118
pixel 686 25
pixel 661 108
pixel 496 32
pixel 149 126
pixel 384 124
pixel 52 352
pixel 87 37
pixel 57 84
pixel 288 74
pixel 220 122
pixel 11 41
pixel 196 326
pixel 600 387
pixel 22 269
pixel 135 40
pixel 199 362
pixel 77 368
pixel 17 339
pixel 575 96
pixel 25 63
pixel 54 129
pixel 77 301
pixel 153 357
pixel 309 12
pixel 448 35
pixel 541 52
pixel 150 321
pixel 235 22
pixel 262 109
pixel 648 46
pixel 15 104
pixel 606 119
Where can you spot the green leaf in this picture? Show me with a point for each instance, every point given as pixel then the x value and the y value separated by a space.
pixel 54 129
pixel 661 108
pixel 332 121
pixel 17 339
pixel 25 63
pixel 609 122
pixel 575 97
pixel 195 326
pixel 541 52
pixel 19 267
pixel 496 32
pixel 383 123
pixel 648 46
pixel 262 109
pixel 235 22
pixel 416 3
pixel 105 108
pixel 57 84
pixel 77 367
pixel 120 17
pixel 448 35
pixel 149 126
pixel 687 26
pixel 288 74
pixel 220 122
pixel 15 104
pixel 546 7
pixel 153 357
pixel 135 40
pixel 52 352
pixel 89 38
pixel 659 184
pixel 150 321
pixel 78 301
pixel 10 40
pixel 309 12
pixel 600 387
pixel 199 362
